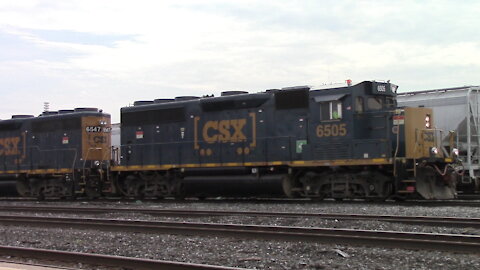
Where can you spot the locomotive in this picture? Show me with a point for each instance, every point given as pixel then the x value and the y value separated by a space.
pixel 345 142
pixel 57 154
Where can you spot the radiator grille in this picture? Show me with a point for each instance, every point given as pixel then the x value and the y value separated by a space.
pixel 332 151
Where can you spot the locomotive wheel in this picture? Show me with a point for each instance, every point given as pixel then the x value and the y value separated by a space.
pixel 180 192
pixel 41 194
pixel 288 185
pixel 36 188
pixel 156 185
pixel 387 191
pixel 91 193
pixel 51 188
pixel 314 187
pixel 23 188
pixel 128 185
pixel 382 190
pixel 139 191
pixel 175 181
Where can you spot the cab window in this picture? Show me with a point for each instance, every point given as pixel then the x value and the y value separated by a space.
pixel 374 103
pixel 331 110
pixel 390 102
pixel 359 104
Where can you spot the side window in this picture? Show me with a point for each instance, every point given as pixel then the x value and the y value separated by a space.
pixel 336 109
pixel 374 103
pixel 359 105
pixel 325 111
pixel 331 110
pixel 390 102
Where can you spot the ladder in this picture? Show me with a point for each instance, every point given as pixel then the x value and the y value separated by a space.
pixel 473 131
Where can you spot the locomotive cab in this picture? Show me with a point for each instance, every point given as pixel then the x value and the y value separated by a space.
pixel 364 147
pixel 421 165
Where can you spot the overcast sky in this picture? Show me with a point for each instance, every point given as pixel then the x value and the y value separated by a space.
pixel 107 54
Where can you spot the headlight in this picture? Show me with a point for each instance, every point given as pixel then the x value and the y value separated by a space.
pixel 96 163
pixel 434 150
pixel 455 152
pixel 427 121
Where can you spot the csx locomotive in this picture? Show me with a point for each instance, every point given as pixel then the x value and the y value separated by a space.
pixel 57 154
pixel 346 142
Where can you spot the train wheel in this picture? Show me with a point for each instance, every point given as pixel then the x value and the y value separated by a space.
pixel 288 185
pixel 128 185
pixel 156 185
pixel 175 181
pixel 36 187
pixel 180 192
pixel 140 192
pixel 41 194
pixel 23 188
pixel 387 191
pixel 163 188
pixel 92 193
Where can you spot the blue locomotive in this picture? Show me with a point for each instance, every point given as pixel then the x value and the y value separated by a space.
pixel 346 142
pixel 59 154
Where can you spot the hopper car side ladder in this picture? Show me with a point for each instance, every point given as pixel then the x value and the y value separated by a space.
pixel 473 138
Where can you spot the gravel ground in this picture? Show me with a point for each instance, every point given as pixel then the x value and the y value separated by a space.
pixel 256 254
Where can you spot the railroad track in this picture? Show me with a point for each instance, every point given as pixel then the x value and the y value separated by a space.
pixel 466 201
pixel 421 220
pixel 445 242
pixel 105 260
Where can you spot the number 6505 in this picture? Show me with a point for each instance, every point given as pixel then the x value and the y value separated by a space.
pixel 333 130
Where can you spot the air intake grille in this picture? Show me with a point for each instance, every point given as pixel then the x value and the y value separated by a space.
pixel 332 151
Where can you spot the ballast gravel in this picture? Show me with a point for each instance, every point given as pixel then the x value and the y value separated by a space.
pixel 248 253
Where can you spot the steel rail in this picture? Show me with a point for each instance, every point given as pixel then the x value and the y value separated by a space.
pixel 421 220
pixel 466 201
pixel 106 260
pixel 445 242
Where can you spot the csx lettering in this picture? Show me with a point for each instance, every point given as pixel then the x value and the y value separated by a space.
pixel 9 146
pixel 332 130
pixel 429 136
pixel 99 139
pixel 224 131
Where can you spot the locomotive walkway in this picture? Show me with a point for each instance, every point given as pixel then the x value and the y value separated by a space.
pixel 406 240
pixel 105 260
pixel 420 220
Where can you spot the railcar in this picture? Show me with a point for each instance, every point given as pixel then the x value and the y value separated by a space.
pixel 57 154
pixel 346 142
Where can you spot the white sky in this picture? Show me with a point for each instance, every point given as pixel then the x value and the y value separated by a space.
pixel 107 54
